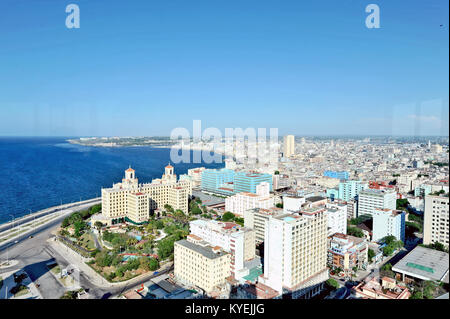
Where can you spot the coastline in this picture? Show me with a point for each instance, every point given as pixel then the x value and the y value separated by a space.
pixel 41 213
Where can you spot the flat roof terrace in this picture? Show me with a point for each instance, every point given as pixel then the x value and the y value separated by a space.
pixel 425 264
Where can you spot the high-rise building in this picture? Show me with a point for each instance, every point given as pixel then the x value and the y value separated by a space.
pixel 256 219
pixel 132 201
pixel 349 189
pixel 289 145
pixel 247 182
pixel 388 222
pixel 295 253
pixel 436 221
pixel 370 199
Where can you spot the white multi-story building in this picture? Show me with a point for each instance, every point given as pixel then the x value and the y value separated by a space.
pixel 337 218
pixel 239 203
pixel 436 220
pixel 239 241
pixel 196 176
pixel 295 253
pixel 370 199
pixel 293 204
pixel 388 222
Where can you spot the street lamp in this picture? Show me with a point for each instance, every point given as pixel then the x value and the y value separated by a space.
pixel 7 248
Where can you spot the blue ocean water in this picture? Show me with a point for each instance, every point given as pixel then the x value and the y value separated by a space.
pixel 37 173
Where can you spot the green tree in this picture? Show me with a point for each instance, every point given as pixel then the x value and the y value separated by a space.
pixel 388 250
pixel 98 225
pixel 279 205
pixel 153 264
pixel 370 254
pixel 66 222
pixel 332 283
pixel 354 231
pixel 228 217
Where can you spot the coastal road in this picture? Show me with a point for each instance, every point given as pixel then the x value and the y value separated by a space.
pixel 33 255
pixel 48 225
pixel 45 212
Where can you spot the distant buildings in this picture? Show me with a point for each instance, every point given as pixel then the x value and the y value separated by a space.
pixel 295 253
pixel 436 220
pixel 199 264
pixel 239 203
pixel 133 202
pixel 289 146
pixel 388 222
pixel 338 175
pixel 370 199
pixel 347 252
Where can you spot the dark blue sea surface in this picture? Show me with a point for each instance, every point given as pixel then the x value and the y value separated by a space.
pixel 37 173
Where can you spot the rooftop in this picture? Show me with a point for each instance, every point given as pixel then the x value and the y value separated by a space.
pixel 424 263
pixel 206 251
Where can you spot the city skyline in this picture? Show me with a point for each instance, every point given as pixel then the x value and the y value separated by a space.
pixel 308 69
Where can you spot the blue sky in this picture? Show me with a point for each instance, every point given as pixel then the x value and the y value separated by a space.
pixel 145 67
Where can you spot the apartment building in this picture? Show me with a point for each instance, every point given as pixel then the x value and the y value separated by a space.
pixel 238 241
pixel 388 222
pixel 370 199
pixel 239 203
pixel 347 252
pixel 256 219
pixel 436 220
pixel 295 253
pixel 133 201
pixel 337 218
pixel 293 204
pixel 352 209
pixel 201 265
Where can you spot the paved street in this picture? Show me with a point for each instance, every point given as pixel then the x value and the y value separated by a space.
pixel 33 254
